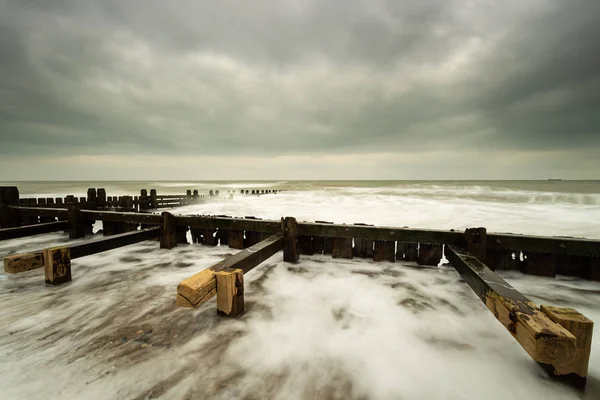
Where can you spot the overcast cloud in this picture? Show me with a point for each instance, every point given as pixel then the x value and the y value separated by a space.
pixel 338 89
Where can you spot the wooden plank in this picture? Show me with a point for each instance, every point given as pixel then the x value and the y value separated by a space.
pixel 384 251
pixel 57 265
pixel 380 233
pixel 411 251
pixel 230 292
pixel 582 328
pixel 541 264
pixel 30 230
pixel 236 239
pixel 123 217
pixel 43 211
pixel 363 248
pixel 544 244
pixel 112 242
pixel 290 235
pixel 231 224
pixel 306 245
pixel 429 254
pixel 499 259
pixel 591 268
pixel 23 262
pixel 545 341
pixel 342 248
pixel 201 287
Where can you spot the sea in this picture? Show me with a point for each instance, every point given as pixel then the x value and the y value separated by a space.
pixel 320 329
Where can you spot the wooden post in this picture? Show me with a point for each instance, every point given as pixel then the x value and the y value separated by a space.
pixel 211 240
pixel 251 239
pixel 153 200
pixel 498 259
pixel 290 238
pixel 411 252
pixel 182 235
pixel 306 245
pixel 541 264
pixel 342 248
pixel 384 251
pixel 101 198
pixel 429 254
pixel 23 262
pixel 168 230
pixel 230 292
pixel 236 239
pixel 223 237
pixel 591 268
pixel 57 265
pixel 144 200
pixel 77 223
pixel 363 248
pixel 476 242
pixel 9 196
pixel 92 196
pixel 582 328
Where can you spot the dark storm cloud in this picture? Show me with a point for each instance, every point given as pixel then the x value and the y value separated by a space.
pixel 293 77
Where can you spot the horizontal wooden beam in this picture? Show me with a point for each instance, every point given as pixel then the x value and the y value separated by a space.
pixel 380 233
pixel 201 287
pixel 124 217
pixel 23 262
pixel 544 244
pixel 229 224
pixel 112 242
pixel 30 230
pixel 495 241
pixel 43 211
pixel 544 340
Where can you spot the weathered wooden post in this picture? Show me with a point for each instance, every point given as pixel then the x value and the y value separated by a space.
pixel 429 254
pixel 411 252
pixel 211 193
pixel 236 239
pixel 92 197
pixel 9 196
pixel 230 292
pixel 476 242
pixel 57 265
pixel 384 251
pixel 144 200
pixel 153 200
pixel 101 198
pixel 77 223
pixel 290 239
pixel 23 262
pixel 216 193
pixel 196 195
pixel 341 248
pixel 168 231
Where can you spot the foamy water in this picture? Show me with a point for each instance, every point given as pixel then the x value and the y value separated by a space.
pixel 322 328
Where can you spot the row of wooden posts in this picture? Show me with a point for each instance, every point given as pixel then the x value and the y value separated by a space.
pixel 557 338
pixel 147 200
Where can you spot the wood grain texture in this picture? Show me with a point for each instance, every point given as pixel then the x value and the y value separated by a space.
pixel 544 340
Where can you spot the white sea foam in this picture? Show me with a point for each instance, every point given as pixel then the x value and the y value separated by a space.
pixel 322 328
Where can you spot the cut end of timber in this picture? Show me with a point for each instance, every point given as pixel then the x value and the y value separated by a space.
pixel 23 262
pixel 230 292
pixel 197 289
pixel 545 341
pixel 582 328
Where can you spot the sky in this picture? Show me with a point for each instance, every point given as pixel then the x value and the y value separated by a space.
pixel 328 89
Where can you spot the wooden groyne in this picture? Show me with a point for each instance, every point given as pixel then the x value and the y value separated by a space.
pixel 557 338
pixel 147 200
